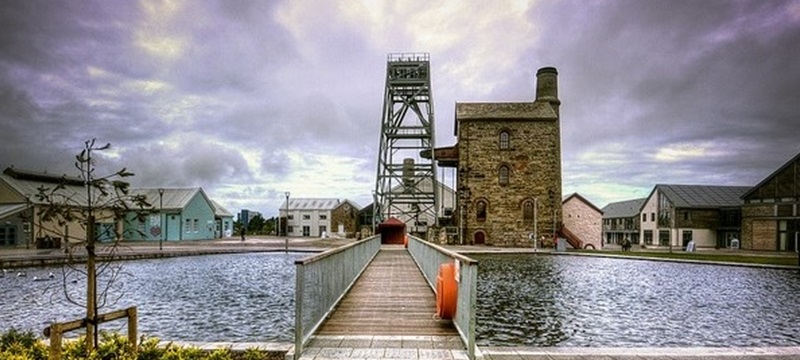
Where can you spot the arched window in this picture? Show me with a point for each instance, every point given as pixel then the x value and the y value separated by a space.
pixel 504 140
pixel 480 211
pixel 527 210
pixel 503 175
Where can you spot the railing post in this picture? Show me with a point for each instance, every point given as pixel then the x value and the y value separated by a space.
pixel 298 311
pixel 55 341
pixel 133 332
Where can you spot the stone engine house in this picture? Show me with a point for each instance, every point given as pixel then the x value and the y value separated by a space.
pixel 508 165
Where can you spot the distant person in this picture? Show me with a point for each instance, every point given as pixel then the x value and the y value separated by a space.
pixel 242 233
pixel 626 244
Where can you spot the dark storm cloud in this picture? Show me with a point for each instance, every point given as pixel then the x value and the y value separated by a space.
pixel 642 76
pixel 243 97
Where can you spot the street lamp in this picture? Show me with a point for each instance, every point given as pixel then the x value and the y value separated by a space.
pixel 161 217
pixel 286 232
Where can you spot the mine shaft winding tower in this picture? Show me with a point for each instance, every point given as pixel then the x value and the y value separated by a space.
pixel 406 185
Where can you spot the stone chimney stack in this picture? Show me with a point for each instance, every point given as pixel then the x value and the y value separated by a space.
pixel 547 86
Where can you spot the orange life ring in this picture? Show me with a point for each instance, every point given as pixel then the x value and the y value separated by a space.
pixel 446 291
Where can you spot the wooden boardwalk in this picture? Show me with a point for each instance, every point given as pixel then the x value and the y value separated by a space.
pixel 391 298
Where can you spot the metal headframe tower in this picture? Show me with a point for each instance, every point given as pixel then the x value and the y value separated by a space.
pixel 406 185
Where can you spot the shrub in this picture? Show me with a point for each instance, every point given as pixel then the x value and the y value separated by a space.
pixel 16 345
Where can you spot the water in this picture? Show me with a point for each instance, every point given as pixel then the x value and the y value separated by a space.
pixel 240 298
pixel 582 301
pixel 522 300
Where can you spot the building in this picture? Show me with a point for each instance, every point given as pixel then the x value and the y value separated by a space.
pixel 508 158
pixel 314 217
pixel 674 215
pixel 771 211
pixel 583 219
pixel 21 210
pixel 223 220
pixel 245 216
pixel 177 214
pixel 621 220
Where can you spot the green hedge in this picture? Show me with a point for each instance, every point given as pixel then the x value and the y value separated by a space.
pixel 16 345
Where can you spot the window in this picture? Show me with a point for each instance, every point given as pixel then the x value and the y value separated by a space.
pixel 8 235
pixel 306 231
pixel 644 217
pixel 663 238
pixel 648 237
pixel 323 217
pixel 504 140
pixel 527 210
pixel 187 226
pixel 322 230
pixel 652 216
pixel 503 175
pixel 290 229
pixel 306 217
pixel 686 215
pixel 480 211
pixel 196 225
pixel 290 217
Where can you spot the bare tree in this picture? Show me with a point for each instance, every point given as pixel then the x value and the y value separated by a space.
pixel 91 200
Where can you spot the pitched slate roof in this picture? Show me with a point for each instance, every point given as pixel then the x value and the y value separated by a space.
pixel 220 211
pixel 623 209
pixel 703 196
pixel 583 199
pixel 508 110
pixel 11 209
pixel 27 184
pixel 311 204
pixel 173 199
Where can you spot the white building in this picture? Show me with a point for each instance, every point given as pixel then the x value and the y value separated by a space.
pixel 312 217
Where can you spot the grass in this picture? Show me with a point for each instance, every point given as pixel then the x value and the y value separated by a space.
pixel 748 258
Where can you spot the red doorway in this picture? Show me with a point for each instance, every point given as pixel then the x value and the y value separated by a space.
pixel 392 231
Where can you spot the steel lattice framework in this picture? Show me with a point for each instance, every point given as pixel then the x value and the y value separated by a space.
pixel 406 185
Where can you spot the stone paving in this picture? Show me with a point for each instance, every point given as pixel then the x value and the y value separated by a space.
pixel 365 347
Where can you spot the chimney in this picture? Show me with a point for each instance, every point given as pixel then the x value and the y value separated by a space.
pixel 547 86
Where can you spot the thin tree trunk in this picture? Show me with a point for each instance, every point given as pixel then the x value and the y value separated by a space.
pixel 91 287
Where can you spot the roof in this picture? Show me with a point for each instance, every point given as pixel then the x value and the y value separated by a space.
pixel 311 204
pixel 172 199
pixel 771 176
pixel 703 196
pixel 623 209
pixel 11 209
pixel 583 199
pixel 353 204
pixel 508 110
pixel 28 188
pixel 220 211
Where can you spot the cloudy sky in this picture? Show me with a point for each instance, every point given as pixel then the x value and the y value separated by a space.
pixel 250 99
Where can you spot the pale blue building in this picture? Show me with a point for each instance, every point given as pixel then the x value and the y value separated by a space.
pixel 177 215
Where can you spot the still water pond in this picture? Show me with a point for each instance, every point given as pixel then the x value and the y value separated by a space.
pixel 243 297
pixel 582 301
pixel 522 300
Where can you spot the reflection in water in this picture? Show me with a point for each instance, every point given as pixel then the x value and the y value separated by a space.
pixel 579 301
pixel 244 297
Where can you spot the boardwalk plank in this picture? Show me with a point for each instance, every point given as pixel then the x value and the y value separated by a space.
pixel 391 298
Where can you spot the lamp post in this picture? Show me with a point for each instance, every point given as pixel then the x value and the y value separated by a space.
pixel 286 232
pixel 535 222
pixel 160 217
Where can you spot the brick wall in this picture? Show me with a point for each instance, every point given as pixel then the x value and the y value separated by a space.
pixel 584 221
